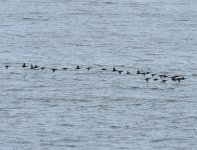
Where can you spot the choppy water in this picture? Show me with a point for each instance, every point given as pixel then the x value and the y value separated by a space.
pixel 97 109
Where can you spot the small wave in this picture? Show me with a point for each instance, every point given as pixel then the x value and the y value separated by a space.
pixel 13 90
pixel 154 88
pixel 26 18
pixel 136 87
pixel 66 125
pixel 15 73
pixel 145 60
pixel 183 20
pixel 31 19
pixel 137 104
pixel 161 140
pixel 194 75
pixel 72 146
pixel 171 100
pixel 109 3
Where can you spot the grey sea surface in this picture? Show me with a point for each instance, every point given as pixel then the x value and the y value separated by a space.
pixel 97 109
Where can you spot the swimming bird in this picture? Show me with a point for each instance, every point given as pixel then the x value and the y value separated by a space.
pixel 148 72
pixel 180 78
pixel 147 79
pixel 103 69
pixel 114 69
pixel 164 81
pixel 24 65
pixel 144 73
pixel 128 72
pixel 53 69
pixel 64 68
pixel 78 67
pixel 32 67
pixel 36 66
pixel 155 79
pixel 7 66
pixel 183 78
pixel 165 76
pixel 161 76
pixel 138 72
pixel 119 71
pixel 42 68
pixel 153 74
pixel 174 77
pixel 88 68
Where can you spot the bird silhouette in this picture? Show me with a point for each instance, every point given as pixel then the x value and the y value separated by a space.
pixel 155 79
pixel 42 68
pixel 180 78
pixel 147 79
pixel 114 69
pixel 7 66
pixel 119 71
pixel 32 67
pixel 138 72
pixel 78 67
pixel 53 69
pixel 64 68
pixel 164 81
pixel 88 68
pixel 24 65
pixel 128 72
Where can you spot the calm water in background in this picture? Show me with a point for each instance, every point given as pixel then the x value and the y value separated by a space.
pixel 97 109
